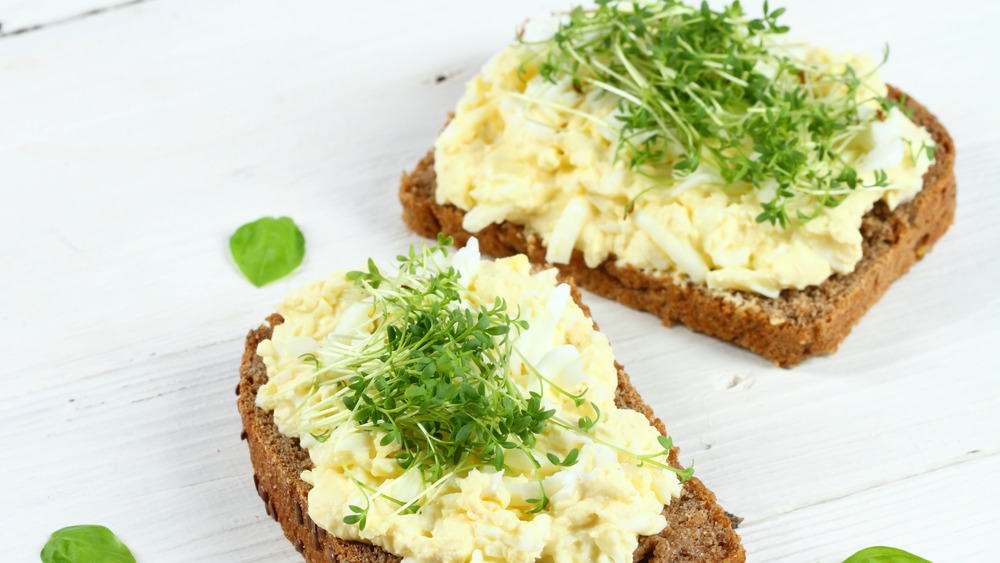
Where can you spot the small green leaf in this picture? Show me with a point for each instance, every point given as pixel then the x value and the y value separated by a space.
pixel 571 457
pixel 882 554
pixel 310 358
pixel 267 249
pixel 665 441
pixel 463 433
pixel 686 165
pixel 321 437
pixel 90 544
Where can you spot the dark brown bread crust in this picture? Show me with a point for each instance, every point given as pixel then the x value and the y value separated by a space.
pixel 697 528
pixel 785 330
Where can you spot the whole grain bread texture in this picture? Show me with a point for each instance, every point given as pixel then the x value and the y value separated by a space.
pixel 697 530
pixel 785 330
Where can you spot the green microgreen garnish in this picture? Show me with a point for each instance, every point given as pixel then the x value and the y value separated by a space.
pixel 433 377
pixel 697 86
pixel 322 437
pixel 586 423
pixel 914 152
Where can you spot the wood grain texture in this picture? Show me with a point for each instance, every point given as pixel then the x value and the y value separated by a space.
pixel 135 141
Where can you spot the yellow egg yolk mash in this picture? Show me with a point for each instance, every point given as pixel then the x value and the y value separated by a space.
pixel 528 151
pixel 597 507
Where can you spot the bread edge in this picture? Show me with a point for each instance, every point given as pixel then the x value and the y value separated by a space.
pixel 786 330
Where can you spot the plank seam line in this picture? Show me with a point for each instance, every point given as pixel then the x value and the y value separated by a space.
pixel 69 19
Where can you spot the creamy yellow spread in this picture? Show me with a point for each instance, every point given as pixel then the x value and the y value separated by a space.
pixel 514 152
pixel 597 507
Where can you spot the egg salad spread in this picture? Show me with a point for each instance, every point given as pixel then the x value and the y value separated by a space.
pixel 589 461
pixel 549 152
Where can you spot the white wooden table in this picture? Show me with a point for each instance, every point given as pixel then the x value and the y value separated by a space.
pixel 135 137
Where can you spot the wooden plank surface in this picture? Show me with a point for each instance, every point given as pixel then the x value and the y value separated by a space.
pixel 134 141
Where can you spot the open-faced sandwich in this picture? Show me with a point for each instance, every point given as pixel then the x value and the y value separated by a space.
pixel 696 164
pixel 453 409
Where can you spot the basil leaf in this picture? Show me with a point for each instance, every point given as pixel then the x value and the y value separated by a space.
pixel 267 249
pixel 85 544
pixel 883 554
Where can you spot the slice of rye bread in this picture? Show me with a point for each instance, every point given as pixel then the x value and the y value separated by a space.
pixel 785 330
pixel 697 528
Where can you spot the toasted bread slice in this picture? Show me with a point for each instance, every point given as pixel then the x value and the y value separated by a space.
pixel 785 330
pixel 697 528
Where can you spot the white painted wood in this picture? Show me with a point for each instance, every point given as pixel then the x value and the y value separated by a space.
pixel 134 142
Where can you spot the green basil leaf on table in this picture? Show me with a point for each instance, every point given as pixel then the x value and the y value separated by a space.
pixel 267 249
pixel 85 544
pixel 881 554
